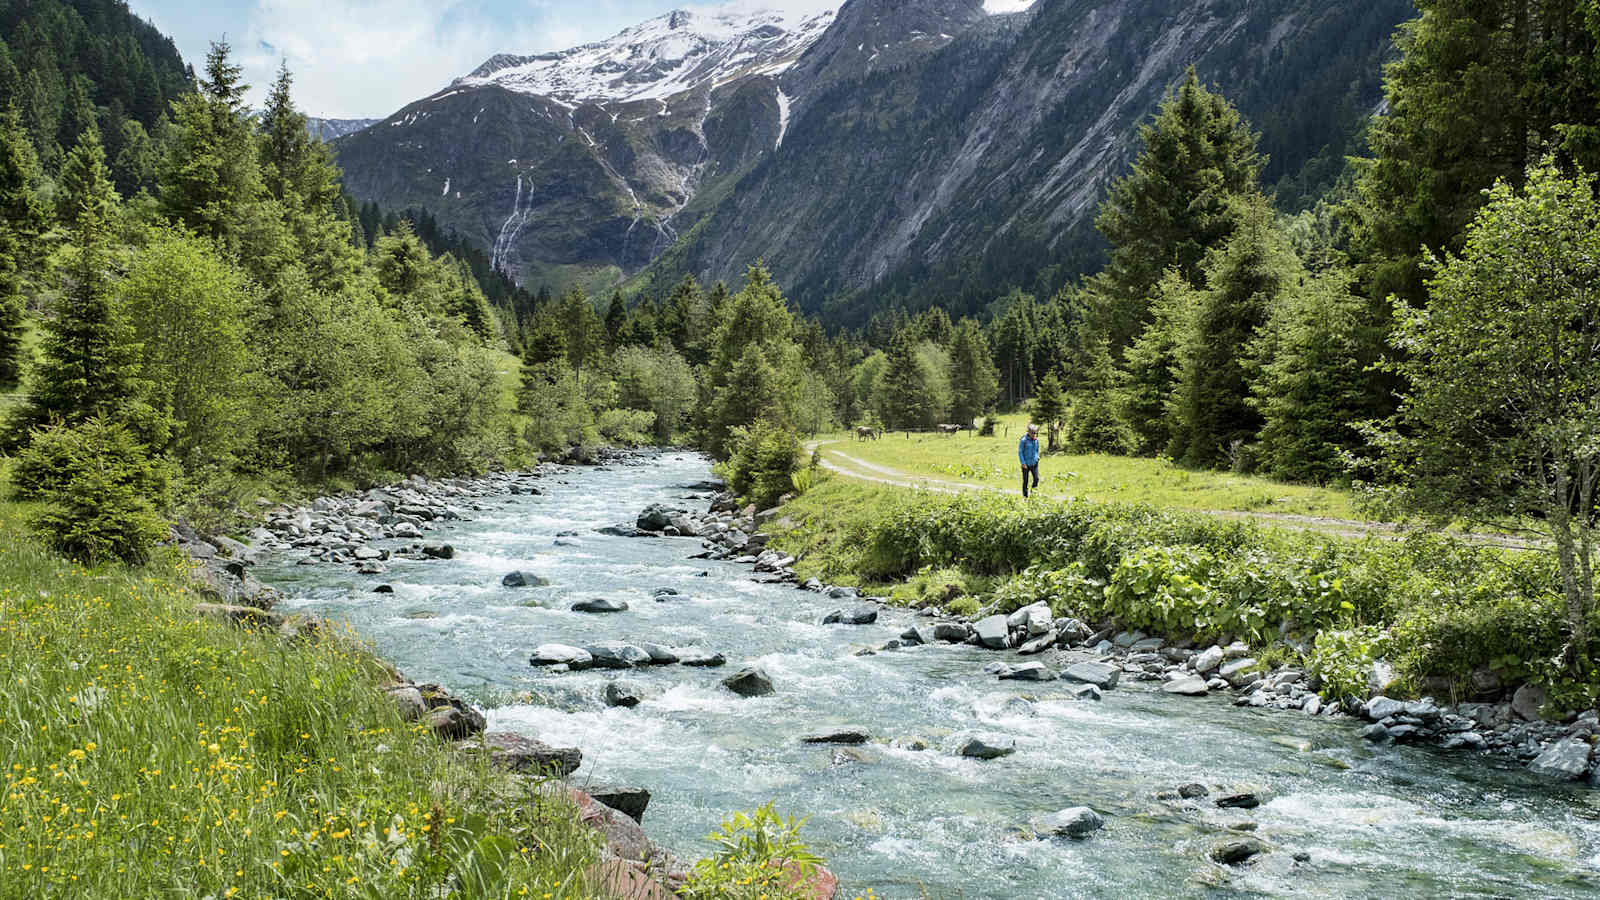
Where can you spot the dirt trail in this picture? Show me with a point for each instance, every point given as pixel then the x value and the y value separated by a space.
pixel 842 463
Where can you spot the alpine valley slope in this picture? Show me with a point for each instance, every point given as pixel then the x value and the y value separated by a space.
pixel 905 151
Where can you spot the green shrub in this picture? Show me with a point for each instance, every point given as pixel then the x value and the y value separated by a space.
pixel 762 464
pixel 625 427
pixel 1069 592
pixel 1342 659
pixel 102 492
pixel 759 855
pixel 1168 590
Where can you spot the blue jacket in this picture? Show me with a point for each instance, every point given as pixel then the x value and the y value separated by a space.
pixel 1028 450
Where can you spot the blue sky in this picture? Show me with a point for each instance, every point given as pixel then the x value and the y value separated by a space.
pixel 368 58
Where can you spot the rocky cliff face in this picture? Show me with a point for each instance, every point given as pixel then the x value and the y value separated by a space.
pixel 897 151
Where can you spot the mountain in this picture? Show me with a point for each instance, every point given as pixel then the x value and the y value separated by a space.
pixel 330 129
pixel 898 151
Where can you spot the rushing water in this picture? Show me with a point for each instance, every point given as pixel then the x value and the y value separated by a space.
pixel 1376 821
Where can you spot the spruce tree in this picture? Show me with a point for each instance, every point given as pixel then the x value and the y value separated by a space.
pixel 616 317
pixel 1151 366
pixel 1097 416
pixel 1049 407
pixel 973 382
pixel 89 365
pixel 212 171
pixel 904 396
pixel 21 221
pixel 1177 204
pixel 1248 277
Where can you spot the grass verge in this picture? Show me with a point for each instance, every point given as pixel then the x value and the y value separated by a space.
pixel 150 753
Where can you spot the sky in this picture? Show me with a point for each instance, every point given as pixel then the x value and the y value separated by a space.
pixel 368 58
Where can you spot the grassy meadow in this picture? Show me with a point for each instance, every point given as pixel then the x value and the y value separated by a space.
pixel 968 460
pixel 148 752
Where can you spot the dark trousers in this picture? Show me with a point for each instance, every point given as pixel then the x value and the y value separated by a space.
pixel 1026 471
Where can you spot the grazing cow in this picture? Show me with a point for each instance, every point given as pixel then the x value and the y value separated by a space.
pixel 950 429
pixel 866 431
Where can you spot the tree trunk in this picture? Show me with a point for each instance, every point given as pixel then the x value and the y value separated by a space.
pixel 1579 595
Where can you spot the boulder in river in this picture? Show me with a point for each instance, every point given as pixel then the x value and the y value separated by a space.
pixel 1077 822
pixel 751 681
pixel 699 657
pixel 948 632
pixel 620 693
pixel 600 605
pixel 1238 851
pixel 659 655
pixel 1100 675
pixel 993 632
pixel 986 747
pixel 656 517
pixel 520 578
pixel 1028 671
pixel 1192 791
pixel 845 735
pixel 574 658
pixel 617 655
pixel 861 615
pixel 1525 702
pixel 1245 800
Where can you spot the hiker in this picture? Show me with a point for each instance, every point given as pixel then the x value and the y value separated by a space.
pixel 1028 453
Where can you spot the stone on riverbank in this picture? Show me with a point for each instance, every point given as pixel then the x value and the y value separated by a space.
pixel 1526 702
pixel 455 722
pixel 630 801
pixel 861 615
pixel 1028 671
pixel 525 755
pixel 1208 660
pixel 1192 686
pixel 993 632
pixel 519 579
pixel 1077 822
pixel 1566 759
pixel 751 681
pixel 600 605
pixel 574 658
pixel 1100 675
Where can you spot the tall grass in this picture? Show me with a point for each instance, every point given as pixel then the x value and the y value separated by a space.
pixel 151 753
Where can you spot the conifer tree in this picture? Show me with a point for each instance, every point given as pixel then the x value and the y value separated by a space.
pixel 1177 204
pixel 1152 365
pixel 973 382
pixel 616 317
pixel 904 395
pixel 212 169
pixel 1247 277
pixel 89 365
pixel 1049 407
pixel 21 220
pixel 1097 422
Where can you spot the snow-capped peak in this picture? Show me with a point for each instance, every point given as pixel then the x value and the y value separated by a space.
pixel 676 52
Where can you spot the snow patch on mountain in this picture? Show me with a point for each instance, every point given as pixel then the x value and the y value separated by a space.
pixel 1002 7
pixel 663 57
pixel 783 118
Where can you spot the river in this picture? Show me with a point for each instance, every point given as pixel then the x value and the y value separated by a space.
pixel 1375 821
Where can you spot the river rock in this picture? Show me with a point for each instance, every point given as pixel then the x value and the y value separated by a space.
pixel 1192 686
pixel 1236 672
pixel 948 632
pixel 620 693
pixel 383 589
pixel 1148 645
pixel 1380 677
pixel 627 531
pixel 523 579
pixel 1208 660
pixel 659 655
pixel 1192 791
pixel 526 755
pixel 1128 638
pixel 1084 692
pixel 1379 708
pixel 847 735
pixel 455 722
pixel 574 658
pixel 1077 822
pixel 997 668
pixel 630 801
pixel 1028 671
pixel 408 701
pixel 751 681
pixel 699 657
pixel 656 517
pixel 1375 733
pixel 1038 644
pixel 438 551
pixel 1526 702
pixel 407 530
pixel 993 632
pixel 1566 759
pixel 1235 852
pixel 617 655
pixel 986 747
pixel 1100 675
pixel 1244 800
pixel 600 605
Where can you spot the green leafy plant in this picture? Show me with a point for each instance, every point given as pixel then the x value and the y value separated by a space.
pixel 760 855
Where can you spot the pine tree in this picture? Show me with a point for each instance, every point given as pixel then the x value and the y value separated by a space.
pixel 1049 407
pixel 212 171
pixel 973 382
pixel 1177 204
pixel 616 317
pixel 1097 422
pixel 1152 365
pixel 750 393
pixel 89 366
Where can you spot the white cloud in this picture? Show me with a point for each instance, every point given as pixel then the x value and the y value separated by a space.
pixel 368 58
